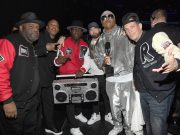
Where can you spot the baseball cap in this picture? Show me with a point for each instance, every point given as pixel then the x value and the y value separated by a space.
pixel 93 24
pixel 107 12
pixel 130 17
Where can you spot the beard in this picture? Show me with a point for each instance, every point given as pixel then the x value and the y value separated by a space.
pixel 95 35
pixel 30 36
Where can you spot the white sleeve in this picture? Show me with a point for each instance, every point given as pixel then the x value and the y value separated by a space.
pixel 162 44
pixel 86 65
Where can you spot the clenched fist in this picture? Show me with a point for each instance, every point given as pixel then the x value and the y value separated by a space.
pixel 10 110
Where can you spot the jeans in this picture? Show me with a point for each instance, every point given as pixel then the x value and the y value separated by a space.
pixel 155 114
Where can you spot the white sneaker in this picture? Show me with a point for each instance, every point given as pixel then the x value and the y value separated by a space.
pixel 81 118
pixel 115 131
pixel 108 118
pixel 94 118
pixel 75 131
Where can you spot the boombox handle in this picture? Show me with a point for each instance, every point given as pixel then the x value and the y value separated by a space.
pixel 73 75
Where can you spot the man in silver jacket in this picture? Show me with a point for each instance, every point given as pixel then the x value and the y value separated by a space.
pixel 115 55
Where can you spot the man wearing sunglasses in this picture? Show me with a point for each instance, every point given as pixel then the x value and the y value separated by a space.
pixel 115 55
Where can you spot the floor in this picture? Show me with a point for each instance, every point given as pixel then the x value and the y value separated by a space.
pixel 99 128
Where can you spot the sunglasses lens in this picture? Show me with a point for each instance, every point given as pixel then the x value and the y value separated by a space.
pixel 103 17
pixel 110 16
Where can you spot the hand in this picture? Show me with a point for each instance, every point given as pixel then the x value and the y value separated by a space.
pixel 10 110
pixel 61 59
pixel 51 46
pixel 107 60
pixel 169 66
pixel 79 73
pixel 61 41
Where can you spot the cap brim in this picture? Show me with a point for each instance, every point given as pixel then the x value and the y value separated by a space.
pixel 41 24
pixel 69 27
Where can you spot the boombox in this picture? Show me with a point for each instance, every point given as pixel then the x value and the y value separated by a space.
pixel 71 90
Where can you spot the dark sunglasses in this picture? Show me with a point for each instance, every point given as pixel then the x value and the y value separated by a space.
pixel 105 17
pixel 153 17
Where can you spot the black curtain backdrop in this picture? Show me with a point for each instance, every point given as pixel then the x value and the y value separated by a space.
pixel 86 10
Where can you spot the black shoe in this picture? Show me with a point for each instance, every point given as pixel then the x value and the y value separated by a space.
pixel 53 131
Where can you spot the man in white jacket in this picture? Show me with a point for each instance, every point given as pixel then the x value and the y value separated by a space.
pixel 95 31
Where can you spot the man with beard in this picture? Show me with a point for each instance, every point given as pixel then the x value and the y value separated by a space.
pixel 20 78
pixel 95 31
pixel 70 59
pixel 115 54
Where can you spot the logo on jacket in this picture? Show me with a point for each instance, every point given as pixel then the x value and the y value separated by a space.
pixel 1 58
pixel 83 51
pixel 23 51
pixel 145 56
pixel 166 44
pixel 68 51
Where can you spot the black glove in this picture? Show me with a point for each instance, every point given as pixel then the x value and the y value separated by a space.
pixel 61 60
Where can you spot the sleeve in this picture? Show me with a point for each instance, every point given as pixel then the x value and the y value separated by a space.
pixel 99 53
pixel 59 52
pixel 7 56
pixel 41 47
pixel 86 65
pixel 162 44
pixel 130 52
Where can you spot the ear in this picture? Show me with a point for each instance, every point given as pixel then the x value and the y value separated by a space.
pixel 46 27
pixel 140 25
pixel 20 28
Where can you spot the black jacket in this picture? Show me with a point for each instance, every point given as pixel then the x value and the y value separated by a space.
pixel 47 69
pixel 146 58
pixel 24 76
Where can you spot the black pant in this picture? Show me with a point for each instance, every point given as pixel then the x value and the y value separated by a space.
pixel 26 121
pixel 72 110
pixel 48 107
pixel 103 96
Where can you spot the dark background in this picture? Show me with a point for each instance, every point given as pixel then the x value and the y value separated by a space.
pixel 87 10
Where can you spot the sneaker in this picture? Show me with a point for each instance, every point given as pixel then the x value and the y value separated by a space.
pixel 53 131
pixel 81 118
pixel 94 118
pixel 115 131
pixel 108 118
pixel 75 131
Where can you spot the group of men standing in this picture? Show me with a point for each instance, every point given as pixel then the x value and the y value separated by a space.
pixel 140 84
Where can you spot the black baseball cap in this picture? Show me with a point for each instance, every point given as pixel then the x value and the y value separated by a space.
pixel 93 24
pixel 130 17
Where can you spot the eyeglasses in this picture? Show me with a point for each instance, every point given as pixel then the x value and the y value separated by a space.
pixel 105 17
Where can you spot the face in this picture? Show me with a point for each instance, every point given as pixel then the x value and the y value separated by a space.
pixel 94 32
pixel 133 30
pixel 108 22
pixel 76 33
pixel 30 31
pixel 52 27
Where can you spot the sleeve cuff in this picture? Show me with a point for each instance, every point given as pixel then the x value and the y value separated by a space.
pixel 9 100
pixel 56 64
